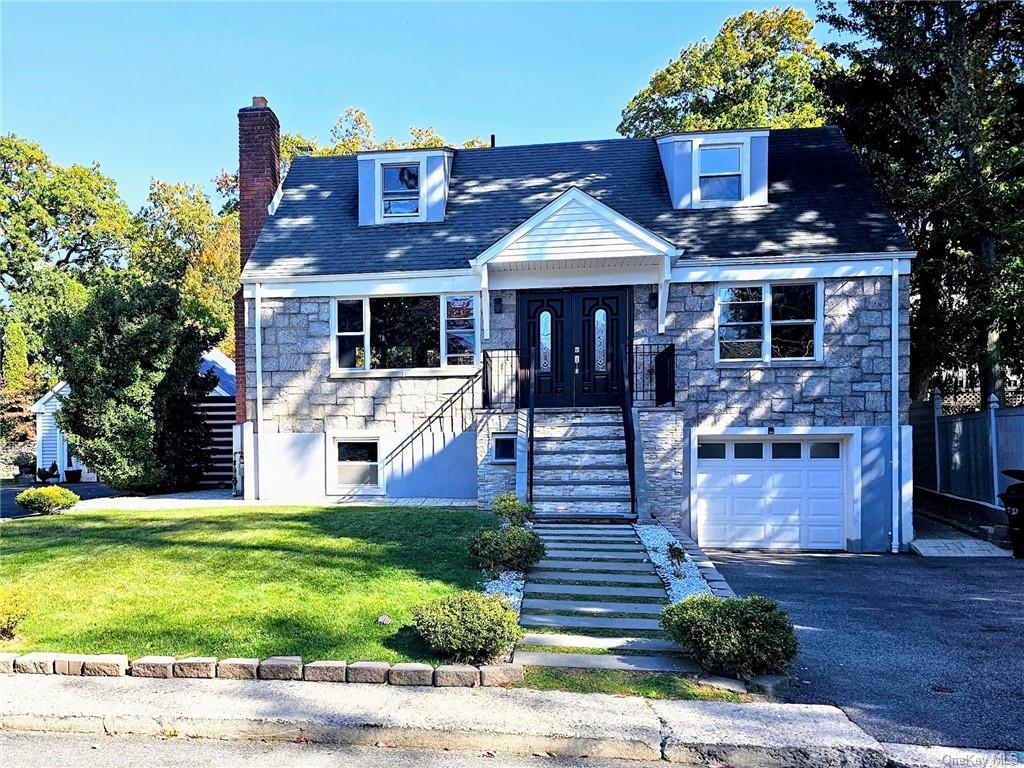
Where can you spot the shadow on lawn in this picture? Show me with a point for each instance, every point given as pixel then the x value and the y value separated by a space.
pixel 316 557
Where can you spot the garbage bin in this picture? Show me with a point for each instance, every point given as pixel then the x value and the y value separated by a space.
pixel 1013 500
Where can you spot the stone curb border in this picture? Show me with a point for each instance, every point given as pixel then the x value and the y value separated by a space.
pixel 273 668
pixel 716 581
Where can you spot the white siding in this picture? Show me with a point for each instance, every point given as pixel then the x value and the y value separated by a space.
pixel 572 232
pixel 49 437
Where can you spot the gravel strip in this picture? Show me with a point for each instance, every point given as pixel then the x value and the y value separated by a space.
pixel 508 584
pixel 656 539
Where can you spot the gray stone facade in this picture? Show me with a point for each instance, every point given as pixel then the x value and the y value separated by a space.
pixel 493 479
pixel 849 387
pixel 301 395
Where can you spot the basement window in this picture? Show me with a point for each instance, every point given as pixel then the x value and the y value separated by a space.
pixel 358 463
pixel 504 449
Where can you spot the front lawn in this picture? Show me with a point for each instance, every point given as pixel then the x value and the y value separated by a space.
pixel 251 582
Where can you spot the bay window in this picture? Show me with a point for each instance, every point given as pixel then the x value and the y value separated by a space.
pixel 405 332
pixel 767 322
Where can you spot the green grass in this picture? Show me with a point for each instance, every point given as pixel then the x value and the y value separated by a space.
pixel 621 683
pixel 257 581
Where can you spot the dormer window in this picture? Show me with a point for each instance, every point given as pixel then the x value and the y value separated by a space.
pixel 404 186
pixel 721 172
pixel 715 169
pixel 400 190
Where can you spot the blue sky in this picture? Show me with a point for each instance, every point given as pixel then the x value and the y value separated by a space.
pixel 151 90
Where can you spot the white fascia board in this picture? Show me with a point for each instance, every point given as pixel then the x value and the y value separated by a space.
pixel 39 406
pixel 571 195
pixel 572 278
pixel 723 137
pixel 737 271
pixel 389 156
pixel 380 284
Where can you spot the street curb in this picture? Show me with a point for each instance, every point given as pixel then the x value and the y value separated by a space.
pixel 516 721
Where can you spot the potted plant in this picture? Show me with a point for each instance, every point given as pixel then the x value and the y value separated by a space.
pixel 72 475
pixel 677 556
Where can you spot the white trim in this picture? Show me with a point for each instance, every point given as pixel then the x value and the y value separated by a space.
pixel 442 370
pixel 276 200
pixel 653 242
pixel 494 453
pixel 258 328
pixel 894 400
pixel 358 276
pixel 383 284
pixel 332 487
pixel 485 301
pixel 39 405
pixel 770 268
pixel 851 436
pixel 721 141
pixel 572 278
pixel 766 323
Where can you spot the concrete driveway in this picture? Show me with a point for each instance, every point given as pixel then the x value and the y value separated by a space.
pixel 914 650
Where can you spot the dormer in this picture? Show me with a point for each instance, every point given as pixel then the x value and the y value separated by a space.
pixel 404 186
pixel 716 169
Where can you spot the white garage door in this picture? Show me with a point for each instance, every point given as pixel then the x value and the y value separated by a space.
pixel 778 494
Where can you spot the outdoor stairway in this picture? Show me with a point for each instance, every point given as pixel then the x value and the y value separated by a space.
pixel 579 466
pixel 593 602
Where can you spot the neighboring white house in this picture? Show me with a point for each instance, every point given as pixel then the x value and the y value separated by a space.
pixel 52 445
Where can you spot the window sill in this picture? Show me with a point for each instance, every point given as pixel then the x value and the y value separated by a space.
pixel 504 462
pixel 452 371
pixel 770 364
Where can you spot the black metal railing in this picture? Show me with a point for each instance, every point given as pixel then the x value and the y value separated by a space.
pixel 627 427
pixel 654 374
pixel 451 417
pixel 500 378
pixel 531 389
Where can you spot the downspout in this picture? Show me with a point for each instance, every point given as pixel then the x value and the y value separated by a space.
pixel 894 395
pixel 258 327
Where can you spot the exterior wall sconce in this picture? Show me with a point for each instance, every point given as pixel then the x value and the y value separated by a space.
pixel 652 300
pixel 498 305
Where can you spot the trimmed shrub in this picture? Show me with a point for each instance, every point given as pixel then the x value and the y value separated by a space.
pixel 50 500
pixel 508 506
pixel 13 610
pixel 468 626
pixel 742 636
pixel 513 549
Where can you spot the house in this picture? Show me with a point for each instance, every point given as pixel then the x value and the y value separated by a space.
pixel 709 327
pixel 52 445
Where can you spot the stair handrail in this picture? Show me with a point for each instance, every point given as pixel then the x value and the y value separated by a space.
pixel 627 424
pixel 531 389
pixel 445 408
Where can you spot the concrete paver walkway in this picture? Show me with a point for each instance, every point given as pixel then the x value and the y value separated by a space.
pixel 594 579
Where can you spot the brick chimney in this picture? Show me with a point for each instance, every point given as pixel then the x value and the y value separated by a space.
pixel 259 174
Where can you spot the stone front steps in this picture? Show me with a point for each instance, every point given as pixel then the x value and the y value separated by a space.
pixel 596 580
pixel 579 466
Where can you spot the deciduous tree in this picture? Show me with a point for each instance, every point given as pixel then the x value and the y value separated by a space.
pixel 933 100
pixel 757 71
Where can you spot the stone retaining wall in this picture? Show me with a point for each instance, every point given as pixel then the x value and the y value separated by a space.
pixel 273 668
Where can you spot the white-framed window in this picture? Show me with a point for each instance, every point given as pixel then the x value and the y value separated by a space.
pixel 503 448
pixel 400 190
pixel 357 463
pixel 720 175
pixel 405 332
pixel 765 322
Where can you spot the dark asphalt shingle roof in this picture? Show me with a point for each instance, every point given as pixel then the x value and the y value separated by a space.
pixel 820 202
